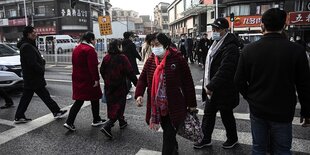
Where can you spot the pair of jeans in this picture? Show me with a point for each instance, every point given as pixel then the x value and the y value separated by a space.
pixel 27 96
pixel 170 144
pixel 280 135
pixel 208 122
pixel 76 108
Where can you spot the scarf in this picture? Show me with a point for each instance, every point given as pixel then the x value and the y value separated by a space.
pixel 155 109
pixel 211 53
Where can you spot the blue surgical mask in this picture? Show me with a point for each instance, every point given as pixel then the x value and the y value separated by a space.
pixel 158 51
pixel 216 36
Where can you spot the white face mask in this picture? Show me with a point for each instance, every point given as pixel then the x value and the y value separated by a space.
pixel 216 36
pixel 158 51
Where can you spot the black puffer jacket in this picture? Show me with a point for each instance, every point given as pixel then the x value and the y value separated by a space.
pixel 223 68
pixel 129 49
pixel 33 65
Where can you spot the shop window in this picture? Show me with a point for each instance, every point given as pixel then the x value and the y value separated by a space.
pixel 264 8
pixel 1 14
pixel 212 15
pixel 12 13
pixel 244 10
pixel 299 5
pixel 40 11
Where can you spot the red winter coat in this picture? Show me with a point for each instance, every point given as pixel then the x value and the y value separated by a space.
pixel 179 86
pixel 85 73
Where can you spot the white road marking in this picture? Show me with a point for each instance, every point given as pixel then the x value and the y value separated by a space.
pixel 65 73
pixel 6 122
pixel 199 87
pixel 21 129
pixel 69 66
pixel 147 152
pixel 246 116
pixel 64 81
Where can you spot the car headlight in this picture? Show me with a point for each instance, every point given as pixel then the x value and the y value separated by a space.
pixel 3 68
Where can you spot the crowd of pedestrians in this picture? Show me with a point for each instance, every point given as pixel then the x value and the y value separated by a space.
pixel 267 73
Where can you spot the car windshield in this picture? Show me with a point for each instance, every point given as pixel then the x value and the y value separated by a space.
pixel 7 51
pixel 14 46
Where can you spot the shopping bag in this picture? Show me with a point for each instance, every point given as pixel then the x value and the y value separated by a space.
pixel 191 128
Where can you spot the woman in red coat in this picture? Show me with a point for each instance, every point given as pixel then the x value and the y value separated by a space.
pixel 115 69
pixel 170 90
pixel 85 80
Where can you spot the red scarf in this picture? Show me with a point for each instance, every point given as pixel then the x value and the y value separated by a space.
pixel 155 110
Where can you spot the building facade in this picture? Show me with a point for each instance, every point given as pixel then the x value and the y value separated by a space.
pixel 161 18
pixel 47 16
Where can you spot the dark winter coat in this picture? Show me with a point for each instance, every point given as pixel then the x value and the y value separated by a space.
pixel 129 49
pixel 222 72
pixel 179 86
pixel 33 65
pixel 85 73
pixel 115 68
pixel 270 71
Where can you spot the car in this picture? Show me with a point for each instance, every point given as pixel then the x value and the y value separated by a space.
pixel 13 46
pixel 10 67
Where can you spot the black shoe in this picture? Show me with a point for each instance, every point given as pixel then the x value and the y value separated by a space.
pixel 7 106
pixel 98 123
pixel 22 120
pixel 229 144
pixel 202 144
pixel 59 114
pixel 123 124
pixel 107 131
pixel 69 127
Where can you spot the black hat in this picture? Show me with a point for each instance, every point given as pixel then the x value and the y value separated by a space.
pixel 220 23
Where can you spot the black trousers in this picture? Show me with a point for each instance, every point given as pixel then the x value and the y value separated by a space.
pixel 190 55
pixel 170 144
pixel 27 96
pixel 76 108
pixel 228 119
pixel 8 100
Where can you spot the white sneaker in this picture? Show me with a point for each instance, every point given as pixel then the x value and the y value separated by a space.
pixel 128 97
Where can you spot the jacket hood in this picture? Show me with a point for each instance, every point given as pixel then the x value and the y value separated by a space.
pixel 231 39
pixel 25 40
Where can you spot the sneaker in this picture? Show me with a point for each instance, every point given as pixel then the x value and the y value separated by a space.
pixel 69 127
pixel 59 114
pixel 123 124
pixel 98 123
pixel 202 144
pixel 22 120
pixel 229 144
pixel 107 131
pixel 128 97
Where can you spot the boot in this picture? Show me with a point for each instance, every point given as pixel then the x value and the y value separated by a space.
pixel 106 129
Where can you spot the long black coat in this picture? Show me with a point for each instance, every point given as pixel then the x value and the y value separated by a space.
pixel 223 68
pixel 129 49
pixel 33 65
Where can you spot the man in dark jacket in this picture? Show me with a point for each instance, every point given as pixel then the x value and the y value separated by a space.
pixel 33 74
pixel 203 47
pixel 219 91
pixel 269 73
pixel 129 49
pixel 189 48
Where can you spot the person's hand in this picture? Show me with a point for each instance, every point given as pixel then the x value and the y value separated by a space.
pixel 208 92
pixel 96 84
pixel 139 101
pixel 192 109
pixel 155 127
pixel 305 121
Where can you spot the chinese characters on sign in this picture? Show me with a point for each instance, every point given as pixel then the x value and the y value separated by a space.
pixel 105 25
pixel 46 30
pixel 300 18
pixel 75 13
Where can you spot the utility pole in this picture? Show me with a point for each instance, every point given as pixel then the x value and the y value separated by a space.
pixel 216 9
pixel 25 10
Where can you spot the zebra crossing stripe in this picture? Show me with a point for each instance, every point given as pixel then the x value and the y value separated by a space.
pixel 147 152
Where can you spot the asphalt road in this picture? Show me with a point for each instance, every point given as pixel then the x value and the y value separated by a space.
pixel 44 135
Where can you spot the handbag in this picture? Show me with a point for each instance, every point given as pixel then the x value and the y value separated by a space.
pixel 191 128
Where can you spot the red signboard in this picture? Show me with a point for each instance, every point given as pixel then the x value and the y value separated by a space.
pixel 246 21
pixel 299 18
pixel 17 22
pixel 45 30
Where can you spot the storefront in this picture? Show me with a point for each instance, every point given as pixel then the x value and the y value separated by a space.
pixel 299 25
